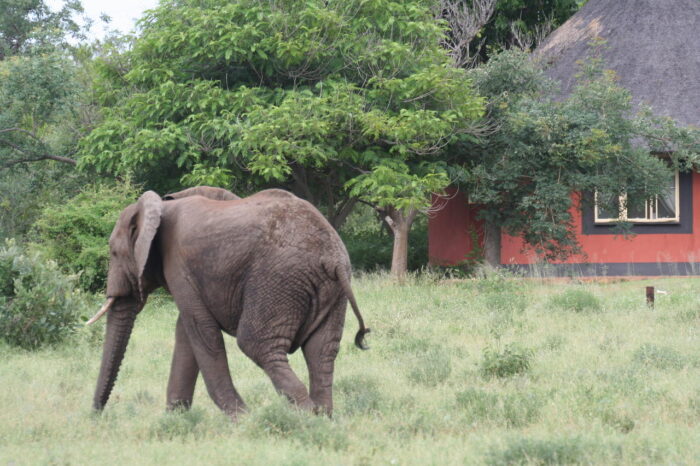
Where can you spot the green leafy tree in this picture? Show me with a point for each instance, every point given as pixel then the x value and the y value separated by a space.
pixel 45 106
pixel 31 26
pixel 543 151
pixel 341 99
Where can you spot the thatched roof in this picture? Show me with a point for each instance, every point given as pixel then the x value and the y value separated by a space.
pixel 653 46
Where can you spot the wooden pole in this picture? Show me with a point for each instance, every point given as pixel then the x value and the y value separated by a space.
pixel 650 296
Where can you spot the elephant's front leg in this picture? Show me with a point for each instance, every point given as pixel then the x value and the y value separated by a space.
pixel 183 371
pixel 207 344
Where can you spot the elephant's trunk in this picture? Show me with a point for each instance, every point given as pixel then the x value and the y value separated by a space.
pixel 119 325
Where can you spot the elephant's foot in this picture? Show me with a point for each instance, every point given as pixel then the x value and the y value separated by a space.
pixel 235 415
pixel 179 405
pixel 323 410
pixel 306 404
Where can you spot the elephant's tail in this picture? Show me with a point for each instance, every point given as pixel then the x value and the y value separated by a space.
pixel 345 283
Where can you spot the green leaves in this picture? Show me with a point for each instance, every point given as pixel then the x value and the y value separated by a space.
pixel 392 183
pixel 270 87
pixel 525 173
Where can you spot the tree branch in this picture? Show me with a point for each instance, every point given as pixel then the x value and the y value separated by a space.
pixel 32 157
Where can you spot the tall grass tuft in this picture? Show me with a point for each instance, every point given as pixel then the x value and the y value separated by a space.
pixel 512 360
pixel 659 357
pixel 281 420
pixel 561 450
pixel 576 300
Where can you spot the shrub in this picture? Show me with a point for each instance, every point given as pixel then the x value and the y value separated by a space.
pixel 76 234
pixel 38 304
pixel 659 357
pixel 577 300
pixel 513 360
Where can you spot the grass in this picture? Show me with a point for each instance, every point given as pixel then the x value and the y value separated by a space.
pixel 489 371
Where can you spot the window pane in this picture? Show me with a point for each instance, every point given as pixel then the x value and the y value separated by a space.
pixel 609 214
pixel 667 201
pixel 638 211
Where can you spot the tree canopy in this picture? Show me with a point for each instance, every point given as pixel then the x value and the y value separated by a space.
pixel 44 107
pixel 322 94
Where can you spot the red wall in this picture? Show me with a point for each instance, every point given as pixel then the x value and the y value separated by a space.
pixel 450 229
pixel 449 240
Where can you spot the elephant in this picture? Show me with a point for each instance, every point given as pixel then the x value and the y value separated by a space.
pixel 267 269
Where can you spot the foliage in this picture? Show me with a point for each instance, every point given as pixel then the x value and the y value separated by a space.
pixel 337 100
pixel 43 91
pixel 44 108
pixel 76 233
pixel 38 304
pixel 544 150
pixel 576 299
pixel 360 83
pixel 528 18
pixel 27 191
pixel 30 26
pixel 513 360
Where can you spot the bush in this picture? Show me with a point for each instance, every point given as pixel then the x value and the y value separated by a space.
pixel 659 357
pixel 38 304
pixel 513 360
pixel 76 234
pixel 577 300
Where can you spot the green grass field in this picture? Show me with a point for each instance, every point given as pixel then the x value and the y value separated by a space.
pixel 488 371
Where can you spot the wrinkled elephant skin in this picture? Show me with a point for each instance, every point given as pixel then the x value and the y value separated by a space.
pixel 267 269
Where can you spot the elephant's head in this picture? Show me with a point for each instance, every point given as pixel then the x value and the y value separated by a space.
pixel 131 277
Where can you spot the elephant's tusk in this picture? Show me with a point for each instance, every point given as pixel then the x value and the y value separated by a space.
pixel 103 310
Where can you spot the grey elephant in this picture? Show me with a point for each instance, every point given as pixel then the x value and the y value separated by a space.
pixel 267 269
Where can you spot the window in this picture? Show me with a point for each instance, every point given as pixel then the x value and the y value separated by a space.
pixel 662 209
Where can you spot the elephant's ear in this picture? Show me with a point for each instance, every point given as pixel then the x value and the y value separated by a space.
pixel 147 220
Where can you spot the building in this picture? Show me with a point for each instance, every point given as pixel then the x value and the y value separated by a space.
pixel 654 47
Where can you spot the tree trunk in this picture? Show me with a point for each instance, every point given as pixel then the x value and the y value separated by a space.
pixel 338 214
pixel 400 224
pixel 492 244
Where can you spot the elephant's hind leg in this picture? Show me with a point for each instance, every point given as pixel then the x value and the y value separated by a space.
pixel 270 353
pixel 320 351
pixel 183 371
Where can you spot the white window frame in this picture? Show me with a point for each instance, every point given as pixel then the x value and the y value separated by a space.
pixel 650 208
